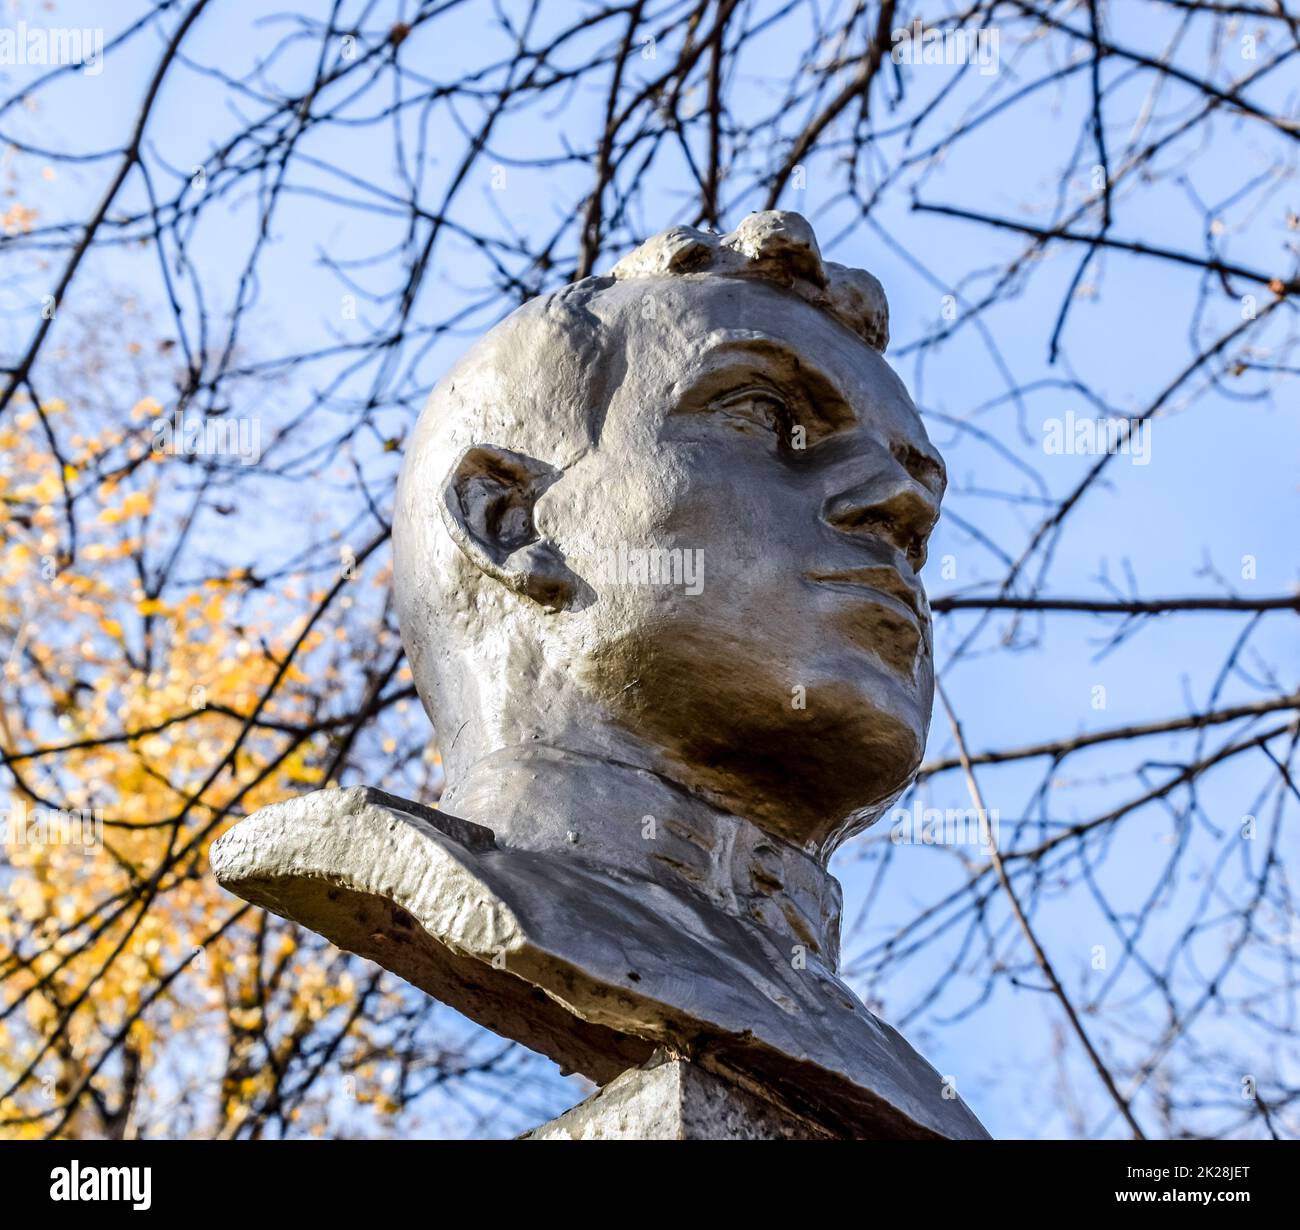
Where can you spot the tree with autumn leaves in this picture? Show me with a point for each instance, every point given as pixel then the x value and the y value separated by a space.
pixel 139 996
pixel 289 227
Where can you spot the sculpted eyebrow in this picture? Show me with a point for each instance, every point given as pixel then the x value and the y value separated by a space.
pixel 781 365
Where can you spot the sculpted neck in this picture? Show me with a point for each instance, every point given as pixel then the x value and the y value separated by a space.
pixel 539 795
pixel 631 821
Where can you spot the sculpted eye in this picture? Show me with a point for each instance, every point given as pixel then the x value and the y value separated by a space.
pixel 757 405
pixel 790 412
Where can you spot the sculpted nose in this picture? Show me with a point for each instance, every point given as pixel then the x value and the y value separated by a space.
pixel 890 505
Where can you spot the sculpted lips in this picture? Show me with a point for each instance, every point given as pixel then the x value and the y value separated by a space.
pixel 892 620
pixel 881 580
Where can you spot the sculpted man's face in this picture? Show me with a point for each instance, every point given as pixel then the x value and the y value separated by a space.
pixel 783 458
pixel 775 656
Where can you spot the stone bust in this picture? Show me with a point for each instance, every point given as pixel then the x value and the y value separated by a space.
pixel 656 554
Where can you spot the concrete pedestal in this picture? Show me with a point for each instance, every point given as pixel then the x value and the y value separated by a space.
pixel 675 1100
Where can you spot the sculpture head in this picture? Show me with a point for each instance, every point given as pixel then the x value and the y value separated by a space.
pixel 656 549
pixel 673 518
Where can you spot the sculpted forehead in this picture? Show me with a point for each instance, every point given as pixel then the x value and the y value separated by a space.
pixel 670 329
pixel 603 367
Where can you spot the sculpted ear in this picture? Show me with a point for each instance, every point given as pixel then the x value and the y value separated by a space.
pixel 487 505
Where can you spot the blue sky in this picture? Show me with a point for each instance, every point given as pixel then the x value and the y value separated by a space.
pixel 1221 483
